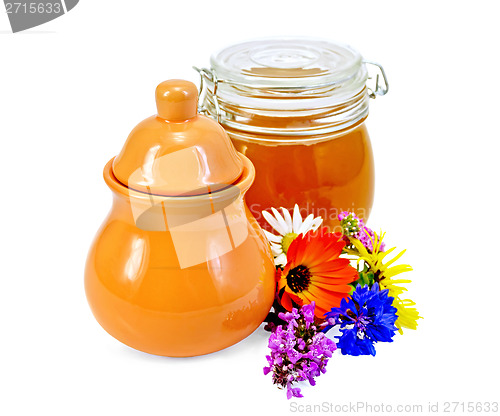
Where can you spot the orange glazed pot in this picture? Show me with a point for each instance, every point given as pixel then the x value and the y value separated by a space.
pixel 180 274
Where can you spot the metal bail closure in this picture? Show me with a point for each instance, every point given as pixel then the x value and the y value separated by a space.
pixel 211 76
pixel 378 89
pixel 376 85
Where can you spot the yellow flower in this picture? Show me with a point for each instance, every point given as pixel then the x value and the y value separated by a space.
pixel 384 274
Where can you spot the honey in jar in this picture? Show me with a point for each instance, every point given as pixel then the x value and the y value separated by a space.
pixel 297 109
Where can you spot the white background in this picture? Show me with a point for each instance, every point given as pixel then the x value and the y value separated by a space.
pixel 72 89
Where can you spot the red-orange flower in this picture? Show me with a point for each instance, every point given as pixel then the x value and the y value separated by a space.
pixel 315 272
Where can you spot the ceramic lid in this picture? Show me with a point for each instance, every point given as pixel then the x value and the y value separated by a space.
pixel 177 151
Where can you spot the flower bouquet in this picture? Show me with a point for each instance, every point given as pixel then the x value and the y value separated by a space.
pixel 326 280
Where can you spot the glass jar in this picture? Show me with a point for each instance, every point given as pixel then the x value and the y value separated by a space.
pixel 297 108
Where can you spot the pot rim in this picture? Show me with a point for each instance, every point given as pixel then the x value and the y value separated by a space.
pixel 243 183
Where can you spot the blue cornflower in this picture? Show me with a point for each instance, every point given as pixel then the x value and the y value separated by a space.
pixel 366 317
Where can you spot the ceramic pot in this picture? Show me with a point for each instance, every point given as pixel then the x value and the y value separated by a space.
pixel 180 275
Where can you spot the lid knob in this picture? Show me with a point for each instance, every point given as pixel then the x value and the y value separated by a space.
pixel 177 100
pixel 177 151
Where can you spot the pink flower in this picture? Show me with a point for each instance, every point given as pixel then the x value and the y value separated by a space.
pixel 354 227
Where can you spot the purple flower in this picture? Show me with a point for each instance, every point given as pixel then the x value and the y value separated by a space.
pixel 353 226
pixel 298 352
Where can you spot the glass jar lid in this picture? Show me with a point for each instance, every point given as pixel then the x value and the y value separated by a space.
pixel 288 63
pixel 319 85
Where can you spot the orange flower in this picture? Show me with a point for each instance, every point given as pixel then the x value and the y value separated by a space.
pixel 315 272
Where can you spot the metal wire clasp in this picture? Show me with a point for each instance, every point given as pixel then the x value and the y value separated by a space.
pixel 211 76
pixel 376 75
pixel 378 89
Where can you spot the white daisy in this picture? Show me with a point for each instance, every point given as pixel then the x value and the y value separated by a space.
pixel 288 229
